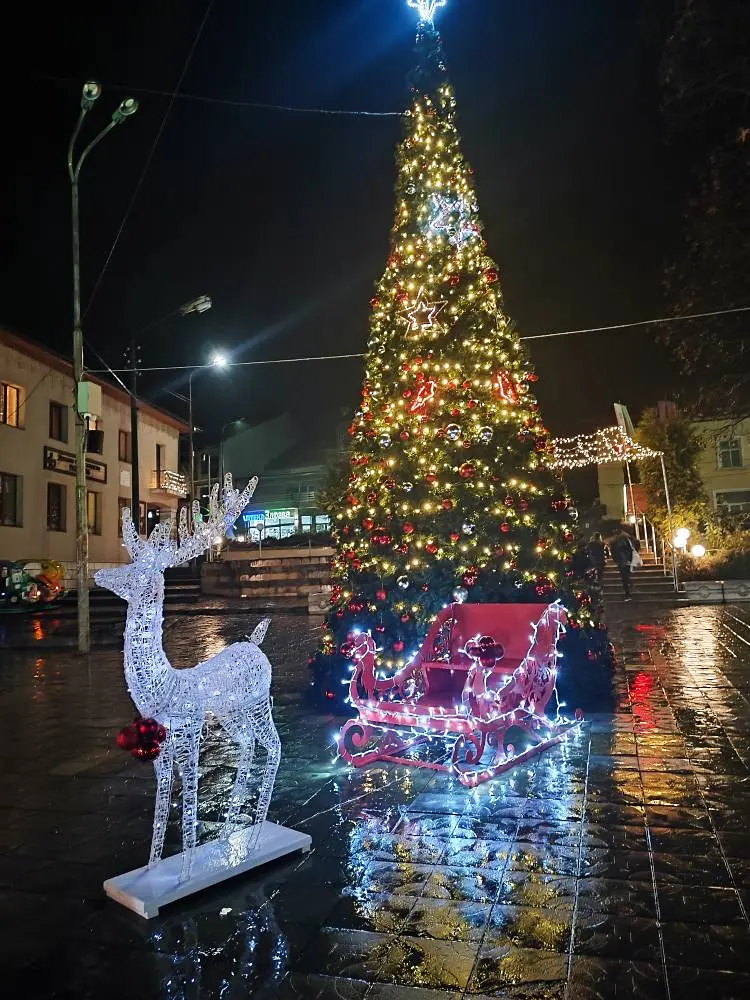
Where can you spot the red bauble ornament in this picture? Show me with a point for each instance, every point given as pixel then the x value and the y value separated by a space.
pixel 466 384
pixel 146 751
pixel 347 648
pixel 127 738
pixel 380 628
pixel 470 578
pixel 505 527
pixel 425 587
pixel 371 497
pixel 404 435
pixel 455 411
pixel 407 393
pixel 569 536
pixel 418 360
pixel 403 549
pixel 402 297
pixel 523 504
pixel 352 500
pixel 509 501
pixel 375 301
pixel 532 377
pixel 431 547
pixel 380 595
pixel 454 279
pixel 398 646
pixel 447 505
pixel 357 564
pixel 389 483
pixel 405 618
pixel 472 404
pixel 491 275
pixel 467 470
pixel 454 536
pixel 431 477
pixel 368 524
pixel 407 527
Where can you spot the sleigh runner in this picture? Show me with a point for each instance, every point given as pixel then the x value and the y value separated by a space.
pixel 477 676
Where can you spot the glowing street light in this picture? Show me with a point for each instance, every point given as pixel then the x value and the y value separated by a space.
pixel 698 551
pixel 680 539
pixel 219 360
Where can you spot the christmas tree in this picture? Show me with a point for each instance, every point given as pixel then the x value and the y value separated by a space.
pixel 449 495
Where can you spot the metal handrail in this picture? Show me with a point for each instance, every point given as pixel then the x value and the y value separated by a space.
pixel 668 554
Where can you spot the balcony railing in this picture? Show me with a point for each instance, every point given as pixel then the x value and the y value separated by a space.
pixel 169 482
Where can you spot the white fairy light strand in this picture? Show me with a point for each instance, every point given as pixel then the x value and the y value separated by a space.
pixel 234 685
pixel 609 444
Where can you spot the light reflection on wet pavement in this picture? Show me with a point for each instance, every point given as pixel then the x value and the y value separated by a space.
pixel 616 865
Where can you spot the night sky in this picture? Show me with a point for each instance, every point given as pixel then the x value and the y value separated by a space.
pixel 284 218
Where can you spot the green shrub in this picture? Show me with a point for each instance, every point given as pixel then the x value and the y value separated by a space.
pixel 722 564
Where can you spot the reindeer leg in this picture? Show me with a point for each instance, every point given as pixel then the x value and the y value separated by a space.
pixel 164 767
pixel 268 737
pixel 241 732
pixel 188 745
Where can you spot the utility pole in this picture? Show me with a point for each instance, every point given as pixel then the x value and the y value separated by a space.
pixel 128 107
pixel 135 473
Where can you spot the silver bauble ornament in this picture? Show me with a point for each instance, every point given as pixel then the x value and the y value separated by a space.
pixel 384 440
pixel 485 434
pixel 407 487
pixel 460 594
pixel 468 528
pixel 453 432
pixel 402 582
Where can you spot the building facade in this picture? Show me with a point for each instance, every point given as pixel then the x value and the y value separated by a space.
pixel 37 460
pixel 723 466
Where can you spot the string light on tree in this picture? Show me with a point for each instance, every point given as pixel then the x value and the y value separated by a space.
pixel 448 495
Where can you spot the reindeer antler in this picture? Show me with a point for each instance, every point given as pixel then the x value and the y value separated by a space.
pixel 221 516
pixel 165 551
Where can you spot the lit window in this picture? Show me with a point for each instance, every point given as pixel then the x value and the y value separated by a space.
pixel 11 397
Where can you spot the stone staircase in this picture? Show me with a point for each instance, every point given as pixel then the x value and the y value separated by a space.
pixel 271 579
pixel 649 586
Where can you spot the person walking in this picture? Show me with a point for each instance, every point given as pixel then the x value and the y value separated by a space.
pixel 623 550
pixel 597 553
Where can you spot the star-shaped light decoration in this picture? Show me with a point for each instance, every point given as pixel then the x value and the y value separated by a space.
pixel 426 8
pixel 451 216
pixel 425 393
pixel 422 315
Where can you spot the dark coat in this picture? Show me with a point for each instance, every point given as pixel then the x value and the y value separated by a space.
pixel 622 550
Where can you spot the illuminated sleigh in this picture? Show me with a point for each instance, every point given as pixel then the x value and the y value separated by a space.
pixel 483 670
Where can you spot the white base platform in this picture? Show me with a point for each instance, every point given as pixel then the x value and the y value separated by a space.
pixel 145 890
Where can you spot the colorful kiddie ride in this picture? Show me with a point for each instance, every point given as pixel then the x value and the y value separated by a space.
pixel 30 585
pixel 483 670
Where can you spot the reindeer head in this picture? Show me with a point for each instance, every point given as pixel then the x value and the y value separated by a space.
pixel 150 558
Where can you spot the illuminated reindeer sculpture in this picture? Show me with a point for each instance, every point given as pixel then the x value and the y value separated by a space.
pixel 233 686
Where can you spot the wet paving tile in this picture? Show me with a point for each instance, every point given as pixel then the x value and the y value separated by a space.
pixel 608 936
pixel 416 887
pixel 609 979
pixel 501 967
pixel 425 962
pixel 548 929
pixel 447 920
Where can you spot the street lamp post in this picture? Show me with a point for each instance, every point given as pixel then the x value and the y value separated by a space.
pixel 200 305
pixel 128 107
pixel 218 361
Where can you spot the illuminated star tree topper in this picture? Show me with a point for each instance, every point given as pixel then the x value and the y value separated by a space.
pixel 427 8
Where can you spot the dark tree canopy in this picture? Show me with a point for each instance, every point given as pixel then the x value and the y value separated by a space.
pixel 705 81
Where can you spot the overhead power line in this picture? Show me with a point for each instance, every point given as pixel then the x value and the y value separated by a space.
pixel 229 103
pixel 340 357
